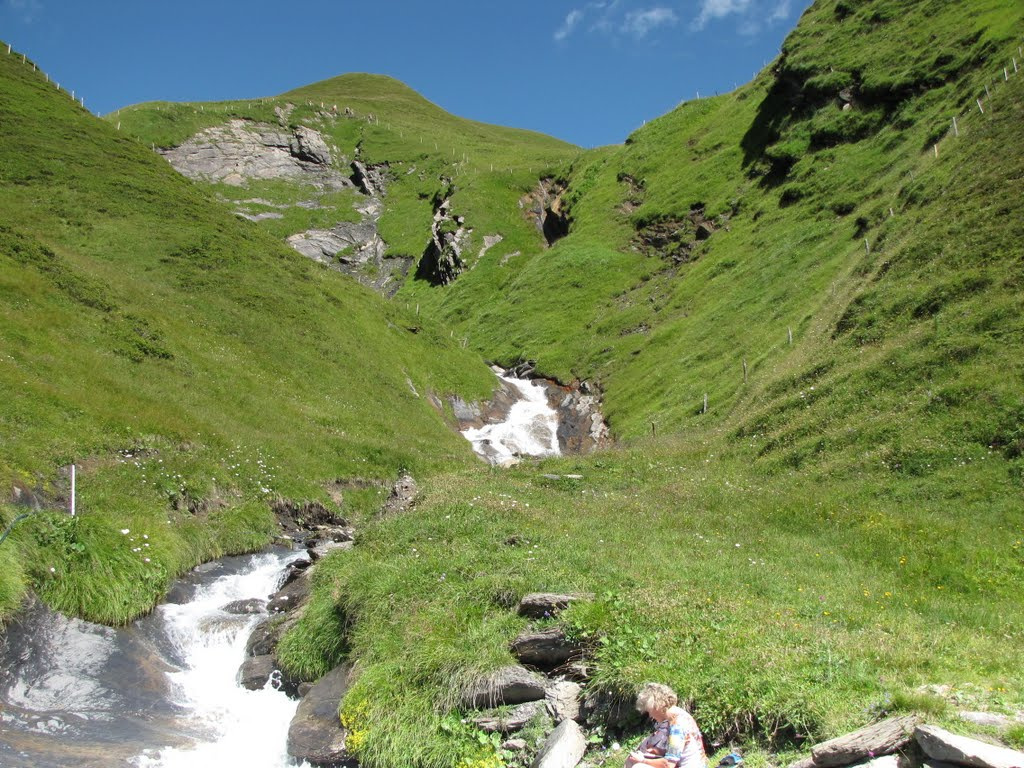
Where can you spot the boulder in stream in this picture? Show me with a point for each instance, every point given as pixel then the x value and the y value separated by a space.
pixel 316 734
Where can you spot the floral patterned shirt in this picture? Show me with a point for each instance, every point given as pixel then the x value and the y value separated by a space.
pixel 685 743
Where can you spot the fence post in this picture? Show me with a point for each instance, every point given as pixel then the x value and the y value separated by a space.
pixel 789 335
pixel 72 490
pixel 956 131
pixel 705 403
pixel 745 362
pixel 867 246
pixel 980 108
pixel 936 148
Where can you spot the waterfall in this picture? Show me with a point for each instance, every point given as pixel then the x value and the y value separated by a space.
pixel 529 429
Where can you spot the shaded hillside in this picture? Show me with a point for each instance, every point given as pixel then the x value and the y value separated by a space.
pixel 192 365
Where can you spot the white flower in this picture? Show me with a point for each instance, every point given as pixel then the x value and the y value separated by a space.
pixel 52 569
pixel 125 531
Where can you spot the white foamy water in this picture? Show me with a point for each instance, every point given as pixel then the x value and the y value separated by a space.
pixel 531 428
pixel 233 726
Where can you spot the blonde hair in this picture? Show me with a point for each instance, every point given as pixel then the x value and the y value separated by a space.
pixel 655 696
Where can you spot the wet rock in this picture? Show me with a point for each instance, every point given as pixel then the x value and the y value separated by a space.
pixel 564 747
pixel 508 685
pixel 511 721
pixel 402 497
pixel 941 745
pixel 292 595
pixel 315 733
pixel 323 547
pixel 563 701
pixel 544 648
pixel 248 607
pixel 538 605
pixel 256 671
pixel 581 425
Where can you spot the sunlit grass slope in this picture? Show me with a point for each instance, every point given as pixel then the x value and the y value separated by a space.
pixel 491 166
pixel 844 525
pixel 191 365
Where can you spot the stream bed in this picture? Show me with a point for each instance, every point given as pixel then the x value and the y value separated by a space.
pixel 159 693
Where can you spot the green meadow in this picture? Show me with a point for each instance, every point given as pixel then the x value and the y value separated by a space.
pixel 802 302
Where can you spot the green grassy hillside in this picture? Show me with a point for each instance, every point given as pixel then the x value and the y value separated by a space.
pixel 818 253
pixel 192 365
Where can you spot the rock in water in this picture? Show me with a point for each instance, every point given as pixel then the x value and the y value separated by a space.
pixel 949 748
pixel 564 747
pixel 316 734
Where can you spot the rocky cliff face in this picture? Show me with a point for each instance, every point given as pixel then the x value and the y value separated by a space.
pixel 443 259
pixel 242 151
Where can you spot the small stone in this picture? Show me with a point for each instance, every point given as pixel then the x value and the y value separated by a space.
pixel 564 748
pixel 947 747
pixel 514 745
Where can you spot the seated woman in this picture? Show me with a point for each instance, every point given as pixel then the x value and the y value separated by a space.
pixel 676 742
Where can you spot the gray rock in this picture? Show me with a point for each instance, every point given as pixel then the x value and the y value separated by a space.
pixel 538 605
pixel 563 701
pixel 402 497
pixel 245 607
pixel 987 719
pixel 508 722
pixel 508 685
pixel 886 761
pixel 564 748
pixel 240 150
pixel 315 733
pixel 292 595
pixel 581 425
pixel 875 740
pixel 256 671
pixel 947 747
pixel 514 745
pixel 545 648
pixel 309 145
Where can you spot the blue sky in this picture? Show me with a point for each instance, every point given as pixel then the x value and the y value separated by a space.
pixel 587 72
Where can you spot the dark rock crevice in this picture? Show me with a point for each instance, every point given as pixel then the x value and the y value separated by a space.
pixel 545 207
pixel 442 261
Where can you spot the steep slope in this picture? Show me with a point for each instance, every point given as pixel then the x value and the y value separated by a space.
pixel 433 193
pixel 192 366
pixel 836 534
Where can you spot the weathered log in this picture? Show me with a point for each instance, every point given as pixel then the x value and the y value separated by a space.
pixel 875 740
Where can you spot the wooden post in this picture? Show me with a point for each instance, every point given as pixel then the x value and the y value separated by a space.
pixel 891 214
pixel 980 108
pixel 72 490
pixel 956 131
pixel 987 91
pixel 8 49
pixel 705 403
pixel 789 335
pixel 119 125
pixel 1006 75
pixel 1015 70
pixel 417 310
pixel 867 246
pixel 745 362
pixel 654 430
pixel 936 148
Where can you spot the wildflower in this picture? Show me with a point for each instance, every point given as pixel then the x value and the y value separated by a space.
pixel 52 569
pixel 125 531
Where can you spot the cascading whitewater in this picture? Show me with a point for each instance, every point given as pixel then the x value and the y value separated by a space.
pixel 159 693
pixel 234 726
pixel 530 429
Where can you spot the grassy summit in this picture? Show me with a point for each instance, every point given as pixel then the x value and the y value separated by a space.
pixel 818 253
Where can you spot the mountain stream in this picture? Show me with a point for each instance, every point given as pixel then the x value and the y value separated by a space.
pixel 160 693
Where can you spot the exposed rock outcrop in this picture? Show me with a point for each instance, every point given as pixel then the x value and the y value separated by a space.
pixel 674 239
pixel 508 722
pixel 402 497
pixel 946 747
pixel 544 207
pixel 442 261
pixel 543 648
pixel 241 150
pixel 581 425
pixel 509 685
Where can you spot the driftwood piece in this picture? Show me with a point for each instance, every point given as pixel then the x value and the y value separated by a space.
pixel 875 740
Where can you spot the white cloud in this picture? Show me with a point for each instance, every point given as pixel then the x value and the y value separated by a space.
pixel 640 23
pixel 27 10
pixel 571 22
pixel 710 10
pixel 781 12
